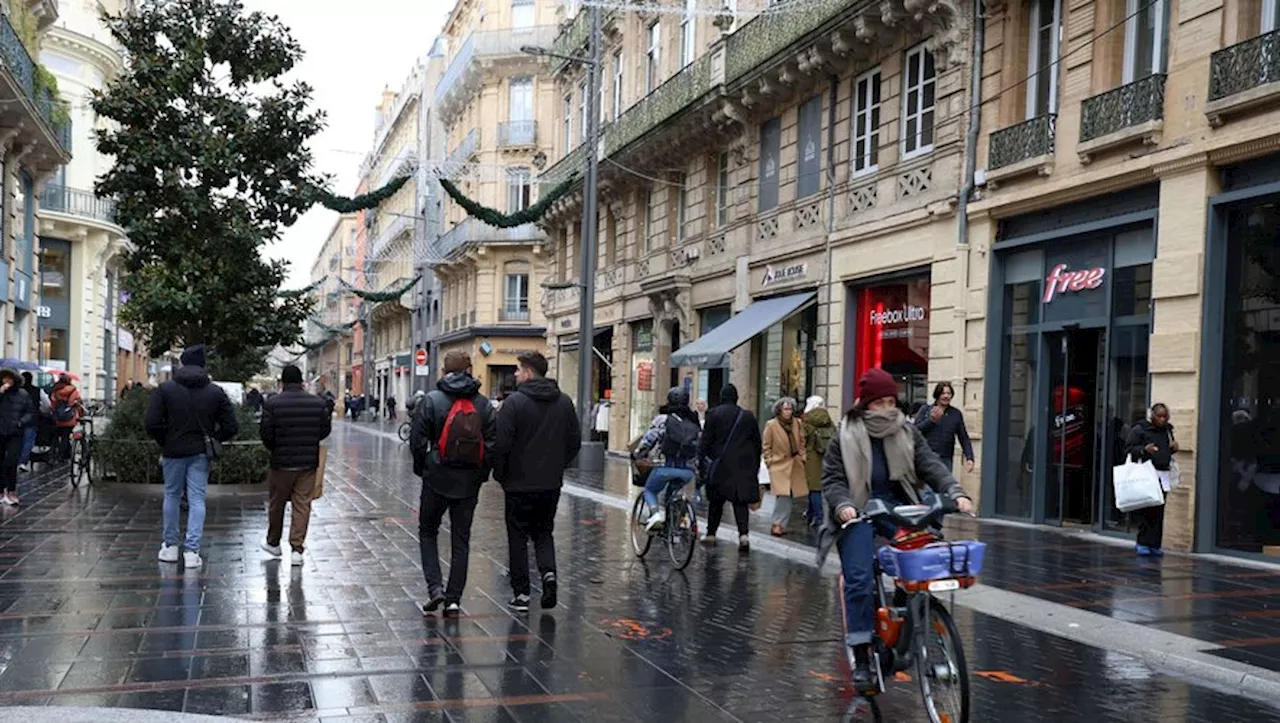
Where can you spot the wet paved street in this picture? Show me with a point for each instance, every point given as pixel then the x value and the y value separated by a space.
pixel 89 617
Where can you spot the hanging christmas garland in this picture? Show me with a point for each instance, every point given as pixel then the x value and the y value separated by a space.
pixel 363 202
pixel 297 293
pixel 380 296
pixel 338 330
pixel 503 220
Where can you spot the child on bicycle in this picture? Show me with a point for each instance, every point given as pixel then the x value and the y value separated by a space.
pixel 672 444
pixel 877 453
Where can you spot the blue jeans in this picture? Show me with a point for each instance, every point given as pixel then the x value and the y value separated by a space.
pixel 193 474
pixel 814 513
pixel 857 548
pixel 28 443
pixel 660 477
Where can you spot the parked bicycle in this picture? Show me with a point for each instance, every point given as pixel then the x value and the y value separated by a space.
pixel 81 467
pixel 679 531
pixel 913 627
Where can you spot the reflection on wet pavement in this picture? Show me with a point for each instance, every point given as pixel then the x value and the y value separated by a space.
pixel 89 617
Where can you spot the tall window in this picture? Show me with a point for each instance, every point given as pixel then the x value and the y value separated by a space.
pixel 582 112
pixel 770 145
pixel 520 99
pixel 653 56
pixel 521 14
pixel 519 189
pixel 647 197
pixel 917 102
pixel 1042 51
pixel 1270 14
pixel 866 122
pixel 809 165
pixel 1146 37
pixel 722 190
pixel 515 306
pixel 567 129
pixel 681 188
pixel 617 84
pixel 688 33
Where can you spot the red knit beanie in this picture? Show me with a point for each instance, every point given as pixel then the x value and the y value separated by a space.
pixel 875 384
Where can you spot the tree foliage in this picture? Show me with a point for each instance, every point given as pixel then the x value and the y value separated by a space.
pixel 210 155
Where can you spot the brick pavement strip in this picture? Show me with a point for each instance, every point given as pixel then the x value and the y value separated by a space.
pixel 88 617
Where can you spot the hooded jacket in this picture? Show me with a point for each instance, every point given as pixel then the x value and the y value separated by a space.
pixel 538 436
pixel 427 424
pixel 819 430
pixel 293 423
pixel 66 393
pixel 17 412
pixel 182 405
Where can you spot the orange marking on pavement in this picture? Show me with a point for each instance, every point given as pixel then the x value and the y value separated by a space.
pixel 1002 676
pixel 1248 642
pixel 629 629
pixel 823 676
pixel 902 677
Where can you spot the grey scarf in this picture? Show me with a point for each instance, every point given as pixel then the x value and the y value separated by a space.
pixel 899 450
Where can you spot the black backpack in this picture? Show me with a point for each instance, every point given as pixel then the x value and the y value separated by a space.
pixel 680 441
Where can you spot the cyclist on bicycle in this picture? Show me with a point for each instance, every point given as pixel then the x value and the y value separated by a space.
pixel 672 444
pixel 878 453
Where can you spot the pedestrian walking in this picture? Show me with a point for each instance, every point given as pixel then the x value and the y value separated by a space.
pixel 730 450
pixel 452 435
pixel 818 432
pixel 877 453
pixel 1151 440
pixel 391 408
pixel 40 402
pixel 671 443
pixel 538 436
pixel 784 455
pixel 16 413
pixel 67 410
pixel 942 424
pixel 189 417
pixel 293 424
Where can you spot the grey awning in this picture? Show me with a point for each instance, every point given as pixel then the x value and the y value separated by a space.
pixel 712 349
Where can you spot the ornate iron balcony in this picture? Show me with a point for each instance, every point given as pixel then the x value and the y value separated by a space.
pixel 768 34
pixel 489 44
pixel 1028 139
pixel 572 40
pixel 15 57
pixel 668 99
pixel 514 314
pixel 516 134
pixel 77 202
pixel 1245 66
pixel 569 165
pixel 1129 105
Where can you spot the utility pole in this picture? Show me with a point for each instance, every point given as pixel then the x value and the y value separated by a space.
pixel 591 457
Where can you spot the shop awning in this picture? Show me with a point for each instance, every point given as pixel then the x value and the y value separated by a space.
pixel 712 349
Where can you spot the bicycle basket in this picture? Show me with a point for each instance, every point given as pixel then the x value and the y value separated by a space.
pixel 934 562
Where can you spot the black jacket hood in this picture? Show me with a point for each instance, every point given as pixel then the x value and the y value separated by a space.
pixel 459 384
pixel 541 389
pixel 192 377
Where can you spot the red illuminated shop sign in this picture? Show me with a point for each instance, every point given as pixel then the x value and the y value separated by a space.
pixel 1060 281
pixel 891 329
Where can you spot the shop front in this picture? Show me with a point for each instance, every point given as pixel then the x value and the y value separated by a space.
pixel 888 328
pixel 1067 351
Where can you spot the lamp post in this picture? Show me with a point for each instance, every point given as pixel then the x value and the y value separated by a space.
pixel 591 456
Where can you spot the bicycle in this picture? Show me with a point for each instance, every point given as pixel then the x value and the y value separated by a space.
pixel 404 432
pixel 680 531
pixel 82 453
pixel 909 619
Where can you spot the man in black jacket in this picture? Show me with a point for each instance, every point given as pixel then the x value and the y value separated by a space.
pixel 446 485
pixel 16 413
pixel 538 436
pixel 185 413
pixel 293 423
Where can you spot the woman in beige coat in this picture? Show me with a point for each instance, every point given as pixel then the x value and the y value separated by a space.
pixel 784 455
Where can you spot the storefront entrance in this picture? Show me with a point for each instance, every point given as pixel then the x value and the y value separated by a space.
pixel 1076 463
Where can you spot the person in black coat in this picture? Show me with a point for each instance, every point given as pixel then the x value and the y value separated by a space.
pixel 16 414
pixel 942 424
pixel 446 487
pixel 731 451
pixel 293 424
pixel 538 436
pixel 1152 441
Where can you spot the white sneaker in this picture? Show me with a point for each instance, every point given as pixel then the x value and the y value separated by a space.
pixel 168 553
pixel 272 550
pixel 191 560
pixel 657 518
pixel 24 468
pixel 707 539
pixel 296 559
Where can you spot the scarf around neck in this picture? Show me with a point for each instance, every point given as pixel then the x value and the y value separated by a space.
pixel 899 450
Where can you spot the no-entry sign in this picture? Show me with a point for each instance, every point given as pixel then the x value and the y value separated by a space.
pixel 420 363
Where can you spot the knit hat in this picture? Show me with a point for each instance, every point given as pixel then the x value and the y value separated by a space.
pixel 812 403
pixel 456 361
pixel 193 356
pixel 291 375
pixel 876 384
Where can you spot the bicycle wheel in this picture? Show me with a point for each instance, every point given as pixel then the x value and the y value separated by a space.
pixel 86 464
pixel 682 532
pixel 640 537
pixel 75 463
pixel 404 432
pixel 941 668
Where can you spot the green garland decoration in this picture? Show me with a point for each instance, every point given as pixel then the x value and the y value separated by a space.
pixel 504 220
pixel 363 202
pixel 296 293
pixel 338 330
pixel 380 296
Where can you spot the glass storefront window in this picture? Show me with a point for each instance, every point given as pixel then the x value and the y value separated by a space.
pixel 643 405
pixel 892 332
pixel 53 347
pixel 1021 361
pixel 55 271
pixel 712 381
pixel 788 356
pixel 1249 479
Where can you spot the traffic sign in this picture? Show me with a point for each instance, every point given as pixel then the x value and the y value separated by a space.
pixel 420 363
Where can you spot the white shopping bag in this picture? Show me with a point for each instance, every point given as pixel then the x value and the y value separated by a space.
pixel 1137 486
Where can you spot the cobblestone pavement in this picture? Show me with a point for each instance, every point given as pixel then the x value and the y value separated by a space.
pixel 89 617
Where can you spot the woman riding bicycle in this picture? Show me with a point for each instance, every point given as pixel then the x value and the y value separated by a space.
pixel 673 440
pixel 878 453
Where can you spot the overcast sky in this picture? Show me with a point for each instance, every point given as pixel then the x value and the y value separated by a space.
pixel 353 52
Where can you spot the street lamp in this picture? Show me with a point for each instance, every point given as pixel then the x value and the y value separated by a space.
pixel 591 457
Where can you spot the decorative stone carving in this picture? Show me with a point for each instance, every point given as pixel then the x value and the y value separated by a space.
pixel 861 199
pixel 915 182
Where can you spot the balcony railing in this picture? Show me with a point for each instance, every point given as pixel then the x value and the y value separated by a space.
pixel 769 34
pixel 77 202
pixel 490 44
pixel 571 164
pixel 513 314
pixel 1129 105
pixel 516 134
pixel 1028 139
pixel 404 164
pixel 668 99
pixel 460 155
pixel 1245 66
pixel 396 226
pixel 572 40
pixel 472 231
pixel 23 68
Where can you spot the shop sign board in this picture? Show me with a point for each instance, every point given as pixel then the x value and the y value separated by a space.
pixel 1061 281
pixel 783 274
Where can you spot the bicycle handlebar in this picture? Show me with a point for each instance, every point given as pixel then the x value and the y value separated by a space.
pixel 911 517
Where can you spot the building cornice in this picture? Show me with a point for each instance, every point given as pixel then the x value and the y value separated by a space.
pixel 102 56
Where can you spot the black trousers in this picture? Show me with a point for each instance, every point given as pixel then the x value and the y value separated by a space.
pixel 531 516
pixel 715 512
pixel 462 513
pixel 1150 525
pixel 10 451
